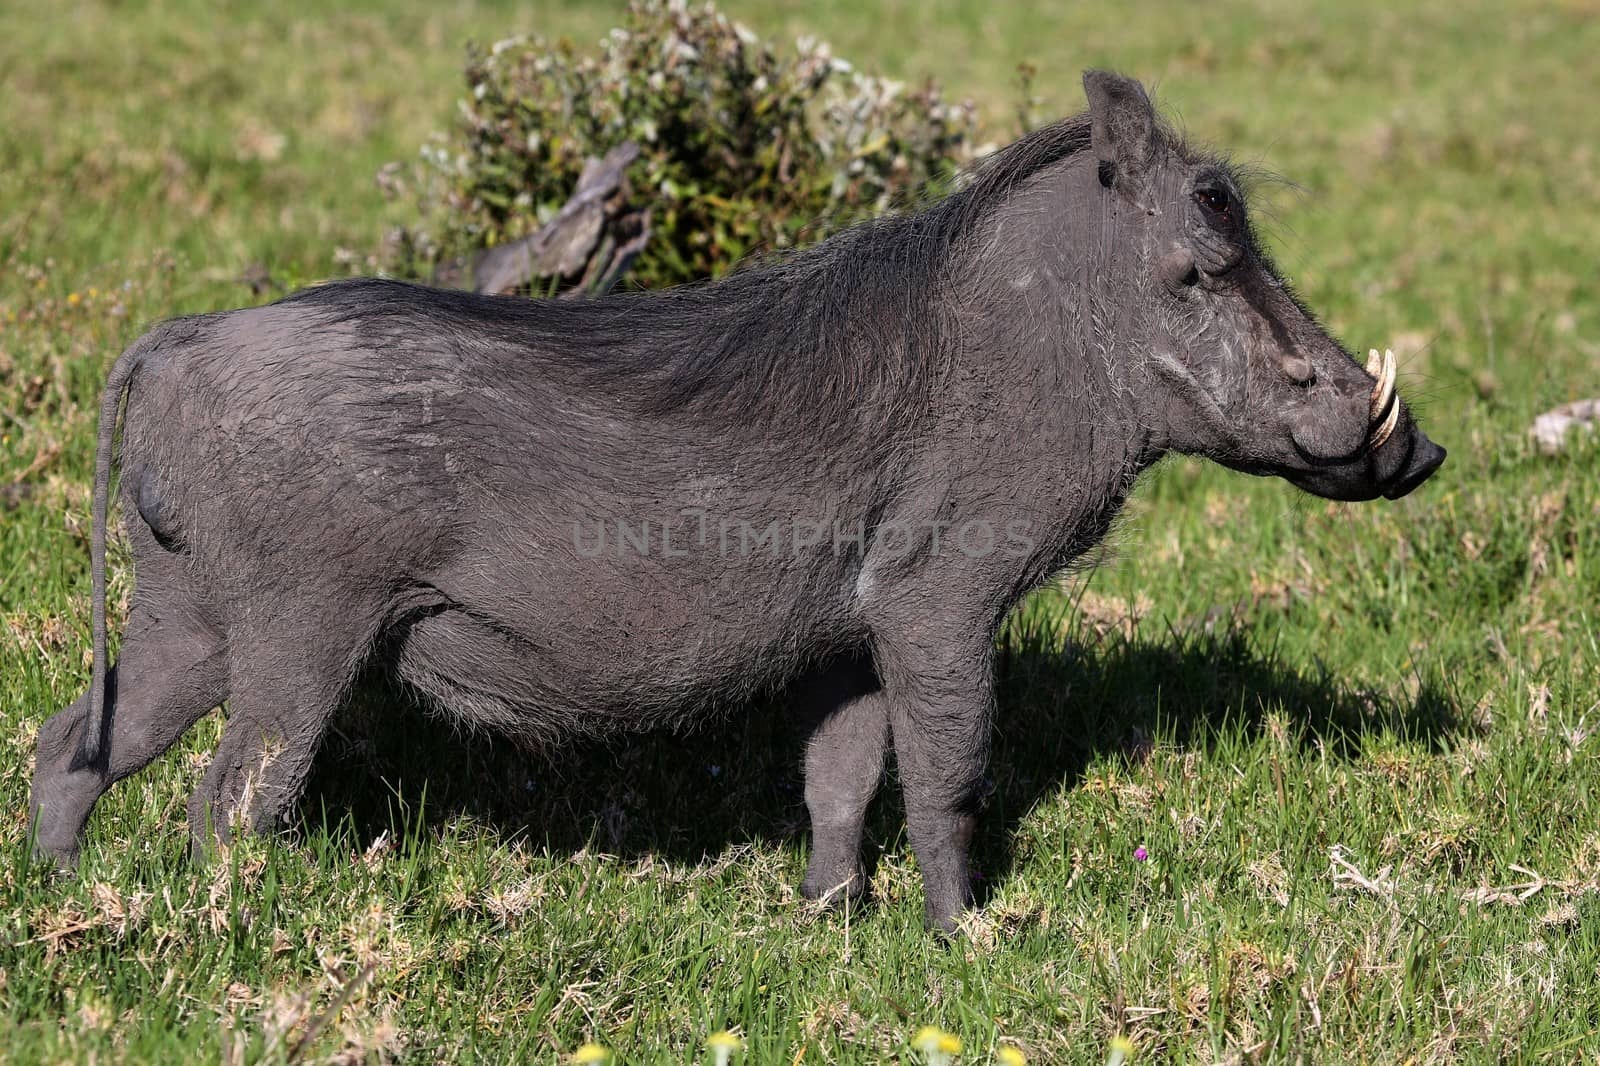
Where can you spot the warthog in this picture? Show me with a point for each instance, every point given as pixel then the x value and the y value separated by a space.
pixel 832 474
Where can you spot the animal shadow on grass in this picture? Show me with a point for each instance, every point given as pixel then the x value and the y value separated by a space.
pixel 390 767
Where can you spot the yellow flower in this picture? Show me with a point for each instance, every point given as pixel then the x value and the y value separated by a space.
pixel 592 1052
pixel 938 1046
pixel 74 299
pixel 723 1045
pixel 1010 1056
pixel 1122 1051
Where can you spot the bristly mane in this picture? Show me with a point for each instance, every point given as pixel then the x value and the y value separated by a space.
pixel 837 335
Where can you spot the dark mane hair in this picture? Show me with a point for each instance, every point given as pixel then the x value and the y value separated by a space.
pixel 846 329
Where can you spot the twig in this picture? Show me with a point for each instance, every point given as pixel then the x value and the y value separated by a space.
pixel 320 1022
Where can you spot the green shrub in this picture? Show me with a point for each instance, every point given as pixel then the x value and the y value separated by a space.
pixel 744 148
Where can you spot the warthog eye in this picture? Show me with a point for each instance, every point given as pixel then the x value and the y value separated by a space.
pixel 1216 203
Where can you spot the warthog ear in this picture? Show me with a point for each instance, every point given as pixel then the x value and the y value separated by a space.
pixel 1122 125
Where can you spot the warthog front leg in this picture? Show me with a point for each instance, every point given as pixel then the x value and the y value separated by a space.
pixel 940 709
pixel 844 764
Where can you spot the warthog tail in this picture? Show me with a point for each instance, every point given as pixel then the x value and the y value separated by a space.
pixel 92 744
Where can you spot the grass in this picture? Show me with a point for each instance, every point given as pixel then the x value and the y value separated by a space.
pixel 1355 742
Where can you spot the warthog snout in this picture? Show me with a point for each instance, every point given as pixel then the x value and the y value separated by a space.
pixel 1360 445
pixel 1426 457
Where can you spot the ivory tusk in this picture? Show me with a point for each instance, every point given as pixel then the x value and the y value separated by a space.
pixel 1383 404
pixel 1384 431
pixel 1383 391
pixel 1383 397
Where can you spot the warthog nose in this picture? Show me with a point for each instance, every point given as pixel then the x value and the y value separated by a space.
pixel 1426 457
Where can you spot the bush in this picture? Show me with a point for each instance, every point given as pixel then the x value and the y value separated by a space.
pixel 743 148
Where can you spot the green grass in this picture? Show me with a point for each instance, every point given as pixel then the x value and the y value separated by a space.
pixel 1355 741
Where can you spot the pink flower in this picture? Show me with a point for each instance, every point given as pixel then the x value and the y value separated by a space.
pixel 1139 854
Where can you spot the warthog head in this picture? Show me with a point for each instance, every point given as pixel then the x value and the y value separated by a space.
pixel 1227 363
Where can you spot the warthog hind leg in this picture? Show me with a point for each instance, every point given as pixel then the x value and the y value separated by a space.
pixel 284 692
pixel 172 669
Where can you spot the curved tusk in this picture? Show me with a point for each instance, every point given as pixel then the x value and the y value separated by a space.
pixel 1374 362
pixel 1383 397
pixel 1383 391
pixel 1384 431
